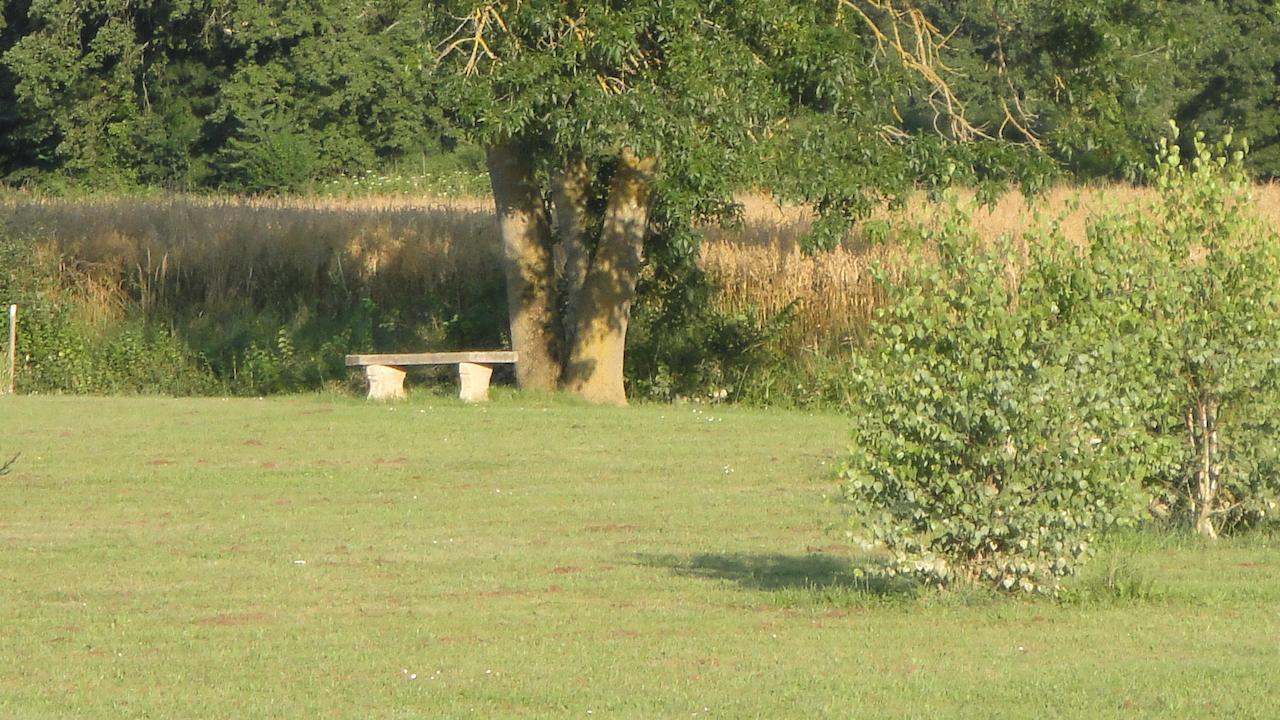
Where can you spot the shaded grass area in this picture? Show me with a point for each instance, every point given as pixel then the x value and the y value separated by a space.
pixel 325 557
pixel 762 571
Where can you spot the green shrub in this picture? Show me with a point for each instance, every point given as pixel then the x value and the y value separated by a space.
pixel 1007 412
pixel 680 346
pixel 988 447
pixel 60 352
pixel 270 154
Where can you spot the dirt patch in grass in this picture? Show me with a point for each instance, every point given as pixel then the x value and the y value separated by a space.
pixel 611 527
pixel 234 619
pixel 455 640
pixel 332 463
pixel 495 593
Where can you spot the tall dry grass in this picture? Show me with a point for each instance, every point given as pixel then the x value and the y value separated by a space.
pixel 210 251
pixel 761 268
pixel 190 249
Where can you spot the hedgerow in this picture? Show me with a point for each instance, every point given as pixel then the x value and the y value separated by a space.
pixel 1018 399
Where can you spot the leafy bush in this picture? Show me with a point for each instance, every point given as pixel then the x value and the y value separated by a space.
pixel 986 449
pixel 270 155
pixel 62 352
pixel 680 346
pixel 281 349
pixel 1009 411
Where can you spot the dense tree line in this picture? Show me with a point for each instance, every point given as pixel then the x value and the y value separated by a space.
pixel 207 93
pixel 1100 79
pixel 264 96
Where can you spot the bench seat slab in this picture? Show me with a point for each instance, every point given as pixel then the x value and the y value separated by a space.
pixel 485 357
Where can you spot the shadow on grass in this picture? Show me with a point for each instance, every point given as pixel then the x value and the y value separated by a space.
pixel 826 578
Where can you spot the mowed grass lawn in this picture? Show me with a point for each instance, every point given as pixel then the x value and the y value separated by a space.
pixel 322 557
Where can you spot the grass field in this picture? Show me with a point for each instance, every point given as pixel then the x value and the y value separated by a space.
pixel 318 557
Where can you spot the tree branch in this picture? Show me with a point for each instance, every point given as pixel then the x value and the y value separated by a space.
pixel 480 21
pixel 918 44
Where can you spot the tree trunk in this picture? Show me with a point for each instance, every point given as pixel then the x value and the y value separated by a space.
pixel 1207 481
pixel 527 262
pixel 594 370
pixel 569 191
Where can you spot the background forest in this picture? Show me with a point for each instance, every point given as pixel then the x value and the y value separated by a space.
pixel 282 96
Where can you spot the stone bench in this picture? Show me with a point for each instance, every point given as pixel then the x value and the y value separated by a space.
pixel 386 372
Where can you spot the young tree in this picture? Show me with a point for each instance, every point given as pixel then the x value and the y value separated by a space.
pixel 1194 272
pixel 607 123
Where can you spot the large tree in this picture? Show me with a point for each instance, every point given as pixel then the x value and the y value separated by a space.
pixel 609 123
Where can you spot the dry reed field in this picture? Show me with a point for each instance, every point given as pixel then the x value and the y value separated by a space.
pixel 152 251
pixel 148 250
pixel 761 268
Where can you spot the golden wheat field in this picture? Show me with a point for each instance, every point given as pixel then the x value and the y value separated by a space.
pixel 137 250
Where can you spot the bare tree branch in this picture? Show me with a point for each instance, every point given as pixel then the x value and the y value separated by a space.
pixel 918 44
pixel 470 33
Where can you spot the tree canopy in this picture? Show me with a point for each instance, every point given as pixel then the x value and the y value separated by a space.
pixel 188 94
pixel 604 121
pixel 268 96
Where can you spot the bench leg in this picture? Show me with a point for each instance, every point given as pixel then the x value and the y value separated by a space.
pixel 474 379
pixel 385 382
